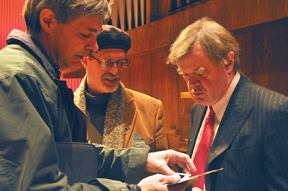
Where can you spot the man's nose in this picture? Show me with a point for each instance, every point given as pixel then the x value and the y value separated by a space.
pixel 193 80
pixel 92 44
pixel 114 69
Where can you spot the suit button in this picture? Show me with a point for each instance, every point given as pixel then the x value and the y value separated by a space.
pixel 126 129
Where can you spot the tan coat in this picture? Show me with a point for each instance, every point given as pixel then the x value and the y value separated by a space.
pixel 145 115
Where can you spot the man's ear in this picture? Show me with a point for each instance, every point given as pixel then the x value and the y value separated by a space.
pixel 230 61
pixel 47 20
pixel 84 62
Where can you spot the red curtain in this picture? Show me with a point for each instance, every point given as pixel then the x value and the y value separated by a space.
pixel 10 18
pixel 72 83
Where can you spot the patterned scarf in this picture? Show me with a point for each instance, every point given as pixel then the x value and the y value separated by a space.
pixel 115 119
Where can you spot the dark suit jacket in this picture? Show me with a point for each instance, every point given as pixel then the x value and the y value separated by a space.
pixel 251 143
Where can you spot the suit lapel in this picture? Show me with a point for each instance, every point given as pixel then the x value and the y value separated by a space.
pixel 234 117
pixel 198 115
pixel 228 130
pixel 130 118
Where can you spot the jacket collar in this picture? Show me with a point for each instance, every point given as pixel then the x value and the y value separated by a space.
pixel 130 117
pixel 24 39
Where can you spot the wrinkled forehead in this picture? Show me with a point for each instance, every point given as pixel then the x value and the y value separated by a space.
pixel 196 57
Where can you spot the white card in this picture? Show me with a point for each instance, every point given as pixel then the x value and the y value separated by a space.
pixel 186 177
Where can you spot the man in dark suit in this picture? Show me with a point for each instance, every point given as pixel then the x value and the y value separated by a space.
pixel 249 136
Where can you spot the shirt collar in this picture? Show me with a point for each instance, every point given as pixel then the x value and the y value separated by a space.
pixel 220 107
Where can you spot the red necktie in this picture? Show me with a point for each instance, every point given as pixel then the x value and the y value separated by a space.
pixel 203 149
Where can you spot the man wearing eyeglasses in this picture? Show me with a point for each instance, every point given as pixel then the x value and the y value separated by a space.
pixel 236 124
pixel 115 112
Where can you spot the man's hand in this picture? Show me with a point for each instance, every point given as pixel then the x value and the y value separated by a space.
pixel 165 161
pixel 160 182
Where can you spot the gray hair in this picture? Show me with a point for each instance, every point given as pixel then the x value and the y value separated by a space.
pixel 65 11
pixel 214 38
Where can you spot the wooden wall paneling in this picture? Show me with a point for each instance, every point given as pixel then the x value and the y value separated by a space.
pixel 213 9
pixel 190 16
pixel 164 86
pixel 135 43
pixel 246 53
pixel 243 14
pixel 150 36
pixel 176 25
pixel 140 39
pixel 268 10
pixel 197 12
pixel 206 9
pixel 271 58
pixel 144 39
pixel 158 33
pixel 139 74
pixel 220 11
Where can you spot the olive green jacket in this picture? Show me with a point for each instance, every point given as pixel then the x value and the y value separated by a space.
pixel 33 118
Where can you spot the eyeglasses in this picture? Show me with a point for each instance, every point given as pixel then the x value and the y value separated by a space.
pixel 202 72
pixel 107 63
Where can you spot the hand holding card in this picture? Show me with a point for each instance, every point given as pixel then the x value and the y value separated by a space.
pixel 193 179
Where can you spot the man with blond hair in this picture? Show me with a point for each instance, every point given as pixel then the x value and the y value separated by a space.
pixel 236 124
